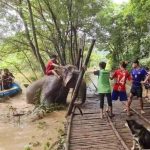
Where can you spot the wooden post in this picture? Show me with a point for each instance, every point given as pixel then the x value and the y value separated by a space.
pixel 69 131
pixel 79 58
pixel 75 94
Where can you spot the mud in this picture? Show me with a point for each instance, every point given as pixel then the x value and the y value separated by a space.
pixel 17 133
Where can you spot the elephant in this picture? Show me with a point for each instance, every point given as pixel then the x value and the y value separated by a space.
pixel 54 89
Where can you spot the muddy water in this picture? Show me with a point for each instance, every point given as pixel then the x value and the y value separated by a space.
pixel 15 134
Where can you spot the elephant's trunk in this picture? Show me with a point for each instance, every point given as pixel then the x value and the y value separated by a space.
pixel 31 90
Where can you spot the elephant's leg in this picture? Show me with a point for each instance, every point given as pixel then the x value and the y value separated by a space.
pixel 82 92
pixel 62 95
pixel 47 101
pixel 51 90
pixel 33 89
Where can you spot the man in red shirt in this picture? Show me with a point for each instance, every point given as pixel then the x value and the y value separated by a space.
pixel 51 66
pixel 121 75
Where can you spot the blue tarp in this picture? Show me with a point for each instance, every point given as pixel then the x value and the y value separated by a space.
pixel 12 91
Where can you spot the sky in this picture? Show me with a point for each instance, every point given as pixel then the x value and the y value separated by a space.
pixel 120 1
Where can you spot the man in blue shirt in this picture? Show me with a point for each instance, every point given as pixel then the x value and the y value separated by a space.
pixel 138 75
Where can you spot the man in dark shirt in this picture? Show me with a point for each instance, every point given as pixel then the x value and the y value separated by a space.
pixel 138 75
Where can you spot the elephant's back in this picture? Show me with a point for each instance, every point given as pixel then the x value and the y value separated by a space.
pixel 32 88
pixel 51 84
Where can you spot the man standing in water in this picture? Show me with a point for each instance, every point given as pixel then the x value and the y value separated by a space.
pixel 138 75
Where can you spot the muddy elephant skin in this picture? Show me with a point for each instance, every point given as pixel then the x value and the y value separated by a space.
pixel 53 89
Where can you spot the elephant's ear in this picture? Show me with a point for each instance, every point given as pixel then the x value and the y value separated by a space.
pixel 70 76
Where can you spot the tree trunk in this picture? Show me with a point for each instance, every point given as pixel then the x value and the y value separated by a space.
pixel 79 81
pixel 27 32
pixel 35 37
pixel 76 49
pixel 30 64
pixel 62 45
pixel 51 40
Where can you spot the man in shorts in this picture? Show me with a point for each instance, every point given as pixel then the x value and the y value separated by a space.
pixel 121 75
pixel 138 75
pixel 104 88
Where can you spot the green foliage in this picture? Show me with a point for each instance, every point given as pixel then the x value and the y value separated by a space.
pixel 27 148
pixel 58 145
pixel 47 146
pixel 95 59
pixel 42 125
pixel 51 108
pixel 59 27
pixel 62 26
pixel 146 62
pixel 125 31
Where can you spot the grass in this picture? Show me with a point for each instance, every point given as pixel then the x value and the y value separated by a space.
pixel 51 108
pixel 57 145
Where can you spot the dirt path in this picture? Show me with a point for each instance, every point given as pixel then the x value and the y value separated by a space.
pixel 15 135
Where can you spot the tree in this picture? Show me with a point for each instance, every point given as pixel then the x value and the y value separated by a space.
pixel 52 27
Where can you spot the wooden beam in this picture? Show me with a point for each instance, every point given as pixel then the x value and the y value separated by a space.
pixel 69 131
pixel 79 80
pixel 79 58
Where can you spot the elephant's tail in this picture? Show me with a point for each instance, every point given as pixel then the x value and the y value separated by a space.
pixel 32 89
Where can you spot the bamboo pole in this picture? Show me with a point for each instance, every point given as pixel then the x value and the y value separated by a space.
pixel 79 58
pixel 69 131
pixel 75 94
pixel 92 82
pixel 117 134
